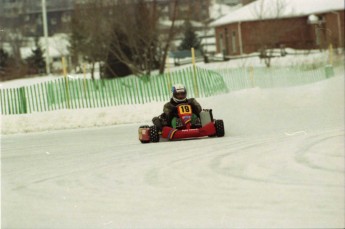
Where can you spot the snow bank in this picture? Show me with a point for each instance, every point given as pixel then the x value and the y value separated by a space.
pixel 314 107
pixel 246 112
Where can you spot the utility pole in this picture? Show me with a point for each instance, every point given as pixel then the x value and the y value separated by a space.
pixel 45 31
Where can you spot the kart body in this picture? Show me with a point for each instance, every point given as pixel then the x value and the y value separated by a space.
pixel 206 126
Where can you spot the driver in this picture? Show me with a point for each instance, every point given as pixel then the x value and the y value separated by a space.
pixel 169 116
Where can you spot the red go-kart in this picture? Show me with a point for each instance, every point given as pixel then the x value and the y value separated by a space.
pixel 207 127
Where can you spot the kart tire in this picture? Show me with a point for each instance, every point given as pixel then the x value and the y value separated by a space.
pixel 154 134
pixel 144 126
pixel 219 125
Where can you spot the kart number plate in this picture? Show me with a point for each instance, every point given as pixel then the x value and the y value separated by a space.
pixel 185 109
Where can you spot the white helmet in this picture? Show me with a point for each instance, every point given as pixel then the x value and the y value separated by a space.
pixel 179 93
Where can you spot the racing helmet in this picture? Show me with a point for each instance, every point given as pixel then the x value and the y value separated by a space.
pixel 179 93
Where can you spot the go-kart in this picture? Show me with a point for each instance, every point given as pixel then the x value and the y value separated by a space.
pixel 207 127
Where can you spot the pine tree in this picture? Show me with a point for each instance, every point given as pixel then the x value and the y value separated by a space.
pixel 190 39
pixel 36 62
pixel 3 60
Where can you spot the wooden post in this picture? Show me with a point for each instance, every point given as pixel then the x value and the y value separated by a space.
pixel 194 74
pixel 64 70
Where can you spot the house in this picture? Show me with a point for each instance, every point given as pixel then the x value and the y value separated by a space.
pixel 269 24
pixel 58 17
pixel 26 16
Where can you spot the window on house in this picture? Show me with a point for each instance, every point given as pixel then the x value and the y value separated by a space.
pixel 226 42
pixel 220 42
pixel 66 18
pixel 233 42
pixel 53 21
pixel 39 20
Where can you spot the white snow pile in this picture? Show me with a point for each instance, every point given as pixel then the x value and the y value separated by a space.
pixel 245 112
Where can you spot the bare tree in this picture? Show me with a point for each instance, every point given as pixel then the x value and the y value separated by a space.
pixel 169 38
pixel 147 46
pixel 90 33
pixel 134 40
pixel 125 36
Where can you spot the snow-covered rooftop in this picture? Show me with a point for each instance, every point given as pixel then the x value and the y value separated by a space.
pixel 268 9
pixel 219 10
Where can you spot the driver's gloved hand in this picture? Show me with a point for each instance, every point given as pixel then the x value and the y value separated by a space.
pixel 157 122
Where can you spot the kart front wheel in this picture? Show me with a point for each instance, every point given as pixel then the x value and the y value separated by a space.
pixel 141 128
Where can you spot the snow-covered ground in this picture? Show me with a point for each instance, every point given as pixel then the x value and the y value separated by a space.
pixel 280 165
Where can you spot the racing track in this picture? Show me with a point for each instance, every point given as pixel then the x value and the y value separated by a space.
pixel 104 178
pixel 87 179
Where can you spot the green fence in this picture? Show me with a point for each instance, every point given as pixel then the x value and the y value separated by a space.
pixel 240 78
pixel 67 93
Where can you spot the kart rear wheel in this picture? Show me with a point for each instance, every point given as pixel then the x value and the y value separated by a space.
pixel 154 134
pixel 219 124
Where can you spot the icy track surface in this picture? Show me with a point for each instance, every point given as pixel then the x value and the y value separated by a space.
pixel 280 165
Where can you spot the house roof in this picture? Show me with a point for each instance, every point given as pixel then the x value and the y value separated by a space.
pixel 269 9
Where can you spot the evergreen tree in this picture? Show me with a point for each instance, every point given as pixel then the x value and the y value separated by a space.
pixel 36 62
pixel 190 39
pixel 114 67
pixel 4 58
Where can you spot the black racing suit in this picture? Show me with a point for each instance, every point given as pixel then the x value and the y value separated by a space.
pixel 170 111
